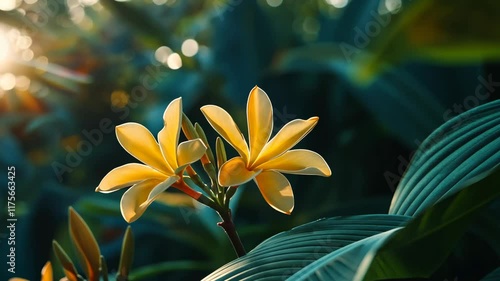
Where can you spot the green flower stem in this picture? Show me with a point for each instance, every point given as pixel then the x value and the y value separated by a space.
pixel 208 202
pixel 212 173
pixel 228 225
pixel 217 198
pixel 221 207
pixel 229 193
pixel 193 175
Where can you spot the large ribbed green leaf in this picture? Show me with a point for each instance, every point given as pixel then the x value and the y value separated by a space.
pixel 459 150
pixel 343 264
pixel 416 250
pixel 284 254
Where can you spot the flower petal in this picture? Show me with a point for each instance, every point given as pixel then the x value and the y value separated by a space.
pixel 131 204
pixel 276 190
pixel 168 137
pixel 140 143
pixel 47 272
pixel 224 124
pixel 234 172
pixel 159 189
pixel 285 139
pixel 259 120
pixel 299 161
pixel 190 151
pixel 127 175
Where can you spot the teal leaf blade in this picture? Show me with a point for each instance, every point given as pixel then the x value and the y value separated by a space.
pixel 418 249
pixel 285 253
pixel 492 276
pixel 456 152
pixel 413 251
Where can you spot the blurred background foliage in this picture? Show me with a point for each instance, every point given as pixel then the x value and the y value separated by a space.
pixel 380 74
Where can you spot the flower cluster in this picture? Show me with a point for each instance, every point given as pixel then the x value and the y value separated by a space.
pixel 166 162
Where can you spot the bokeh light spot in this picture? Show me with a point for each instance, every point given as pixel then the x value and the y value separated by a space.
pixel 274 3
pixel 77 14
pixel 9 5
pixel 119 99
pixel 24 42
pixel 23 83
pixel 174 61
pixel 88 2
pixel 310 25
pixel 160 2
pixel 338 3
pixel 190 47
pixel 42 60
pixel 162 53
pixel 7 81
pixel 4 48
pixel 393 6
pixel 72 3
pixel 27 55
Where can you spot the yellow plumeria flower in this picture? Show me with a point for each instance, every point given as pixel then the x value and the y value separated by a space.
pixel 46 274
pixel 164 163
pixel 264 160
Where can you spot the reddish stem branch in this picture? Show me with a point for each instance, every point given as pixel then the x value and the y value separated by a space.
pixel 228 225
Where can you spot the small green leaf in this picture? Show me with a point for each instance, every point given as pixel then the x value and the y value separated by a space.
pixel 220 151
pixel 188 128
pixel 68 265
pixel 127 255
pixel 203 137
pixel 85 244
